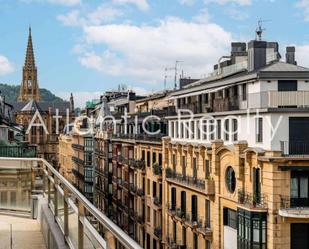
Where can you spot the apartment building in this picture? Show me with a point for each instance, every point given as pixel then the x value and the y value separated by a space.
pixel 82 159
pixel 129 183
pixel 236 164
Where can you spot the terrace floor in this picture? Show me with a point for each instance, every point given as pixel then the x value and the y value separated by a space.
pixel 26 233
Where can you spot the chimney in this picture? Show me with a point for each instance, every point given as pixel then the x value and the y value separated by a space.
pixel 238 52
pixel 256 55
pixel 290 55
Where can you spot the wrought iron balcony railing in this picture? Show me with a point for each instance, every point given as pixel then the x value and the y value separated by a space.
pixel 252 200
pixel 206 186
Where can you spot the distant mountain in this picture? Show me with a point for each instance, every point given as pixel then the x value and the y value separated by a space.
pixel 11 93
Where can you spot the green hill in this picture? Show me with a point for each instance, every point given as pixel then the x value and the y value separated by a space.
pixel 11 93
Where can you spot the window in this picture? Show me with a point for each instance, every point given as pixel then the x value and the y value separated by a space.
pixel 244 92
pixel 235 130
pixel 227 129
pixel 174 162
pixel 206 99
pixel 143 155
pixel 195 241
pixel 194 207
pixel 259 130
pixel 148 214
pixel 207 168
pixel 154 244
pixel 173 206
pixel 219 129
pixel 148 187
pixel 160 159
pixel 230 218
pixel 154 157
pixel 230 179
pixel 299 189
pixel 184 236
pixel 183 165
pixel 287 85
pixel 175 231
pixel 194 168
pixel 148 158
pixel 207 215
pixel 192 130
pixel 154 189
pixel 251 229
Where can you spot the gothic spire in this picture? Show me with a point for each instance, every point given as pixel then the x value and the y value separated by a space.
pixel 29 89
pixel 29 60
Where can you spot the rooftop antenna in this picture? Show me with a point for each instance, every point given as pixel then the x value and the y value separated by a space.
pixel 176 71
pixel 259 30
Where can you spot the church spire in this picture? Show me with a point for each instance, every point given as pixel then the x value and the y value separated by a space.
pixel 29 60
pixel 29 89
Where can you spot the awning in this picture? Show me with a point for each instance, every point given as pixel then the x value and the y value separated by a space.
pixel 200 92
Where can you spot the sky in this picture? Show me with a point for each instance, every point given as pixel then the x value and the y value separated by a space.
pixel 90 46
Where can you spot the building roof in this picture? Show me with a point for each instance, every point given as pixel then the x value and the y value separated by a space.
pixel 31 106
pixel 274 70
pixel 41 105
pixel 284 67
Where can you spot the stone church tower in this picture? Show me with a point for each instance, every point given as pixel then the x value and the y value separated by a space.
pixel 29 89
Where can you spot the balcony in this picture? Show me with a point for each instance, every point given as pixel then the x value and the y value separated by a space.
pixel 252 201
pixel 294 148
pixel 142 137
pixel 157 169
pixel 133 188
pixel 77 146
pixel 269 99
pixel 140 192
pixel 204 186
pixel 294 207
pixel 158 232
pixel 199 224
pixel 18 151
pixel 157 201
pixel 76 222
pixel 78 160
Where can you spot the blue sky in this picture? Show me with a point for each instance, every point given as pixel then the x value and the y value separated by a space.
pixel 89 46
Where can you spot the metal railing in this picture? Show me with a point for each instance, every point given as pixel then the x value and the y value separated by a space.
pixel 287 202
pixel 79 219
pixel 294 147
pixel 186 180
pixel 18 151
pixel 252 200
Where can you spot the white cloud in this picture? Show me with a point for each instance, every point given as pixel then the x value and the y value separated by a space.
pixel 141 4
pixel 102 14
pixel 5 66
pixel 304 5
pixel 301 55
pixel 203 16
pixel 142 52
pixel 72 18
pixel 186 2
pixel 222 2
pixel 237 14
